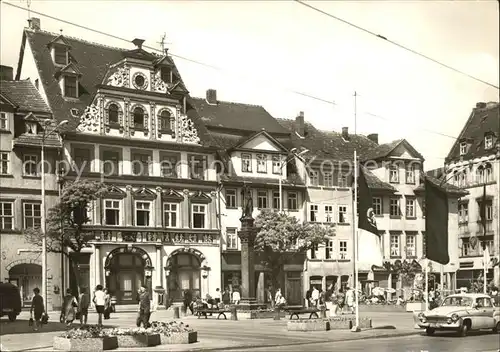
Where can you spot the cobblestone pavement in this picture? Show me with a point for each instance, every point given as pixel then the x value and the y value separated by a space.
pixel 212 334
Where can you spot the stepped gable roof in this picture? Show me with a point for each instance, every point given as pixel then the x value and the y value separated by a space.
pixel 450 189
pixel 237 116
pixel 24 96
pixel 93 60
pixel 328 144
pixel 484 118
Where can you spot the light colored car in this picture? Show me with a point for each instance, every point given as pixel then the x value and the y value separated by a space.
pixel 462 313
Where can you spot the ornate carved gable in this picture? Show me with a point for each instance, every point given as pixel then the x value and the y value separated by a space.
pixel 144 193
pixel 158 85
pixel 171 195
pixel 90 120
pixel 115 192
pixel 200 197
pixel 188 132
pixel 120 77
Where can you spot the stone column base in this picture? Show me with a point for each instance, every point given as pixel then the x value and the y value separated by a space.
pixel 248 304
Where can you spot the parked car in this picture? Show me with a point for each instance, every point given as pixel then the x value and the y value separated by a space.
pixel 10 301
pixel 462 313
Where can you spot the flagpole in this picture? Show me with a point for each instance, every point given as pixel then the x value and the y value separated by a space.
pixel 426 295
pixel 355 225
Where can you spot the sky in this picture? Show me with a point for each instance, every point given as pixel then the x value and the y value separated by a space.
pixel 264 51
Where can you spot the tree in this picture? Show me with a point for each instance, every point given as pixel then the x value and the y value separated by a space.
pixel 65 221
pixel 281 237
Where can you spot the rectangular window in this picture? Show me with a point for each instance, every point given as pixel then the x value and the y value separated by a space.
pixel 395 246
pixel 411 245
pixel 292 201
pixel 314 178
pixel 111 162
pixel 313 213
pixel 377 205
pixel 60 55
pixel 328 213
pixel 231 239
pixel 343 250
pixel 4 163
pixel 277 164
pixel 393 173
pixel 70 86
pixel 230 198
pixel 82 159
pixel 246 162
pixel 32 215
pixel 142 213
pixel 166 74
pixel 31 127
pixel 488 142
pixel 4 122
pixel 410 208
pixel 198 165
pixel 6 215
pixel 410 174
pixel 140 164
pixel 112 212
pixel 343 180
pixel 329 249
pixel 463 148
pixel 170 214
pixel 199 215
pixel 394 208
pixel 262 199
pixel 343 214
pixel 314 251
pixel 276 200
pixel 30 163
pixel 463 213
pixel 262 163
pixel 169 165
pixel 328 179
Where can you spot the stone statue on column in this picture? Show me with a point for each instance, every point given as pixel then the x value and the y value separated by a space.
pixel 247 202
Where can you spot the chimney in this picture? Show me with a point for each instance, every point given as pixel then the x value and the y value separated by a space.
pixel 480 105
pixel 34 23
pixel 6 73
pixel 345 133
pixel 166 51
pixel 373 137
pixel 138 43
pixel 211 97
pixel 299 124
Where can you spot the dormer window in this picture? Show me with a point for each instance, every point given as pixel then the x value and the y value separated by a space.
pixel 166 74
pixel 31 127
pixel 138 118
pixel 113 114
pixel 71 86
pixel 463 148
pixel 60 55
pixel 488 142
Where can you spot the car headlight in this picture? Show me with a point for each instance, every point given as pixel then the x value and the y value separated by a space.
pixel 449 321
pixel 455 317
pixel 421 315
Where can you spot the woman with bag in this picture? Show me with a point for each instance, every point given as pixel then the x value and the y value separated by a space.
pixel 69 305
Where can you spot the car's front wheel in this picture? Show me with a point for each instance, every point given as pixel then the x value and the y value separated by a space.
pixel 430 331
pixel 12 316
pixel 464 329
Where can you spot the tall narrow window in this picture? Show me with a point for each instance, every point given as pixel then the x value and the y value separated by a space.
pixel 32 215
pixel 395 246
pixel 60 55
pixel 140 164
pixel 377 205
pixel 4 163
pixel 463 213
pixel 170 214
pixel 313 213
pixel 4 122
pixel 262 163
pixel 82 159
pixel 276 200
pixel 393 173
pixel 30 163
pixel 230 198
pixel 166 74
pixel 71 86
pixel 488 142
pixel 246 162
pixel 328 179
pixel 343 250
pixel 142 213
pixel 394 207
pixel 292 201
pixel 411 245
pixel 231 239
pixel 463 148
pixel 328 213
pixel 343 214
pixel 314 177
pixel 410 208
pixel 410 174
pixel 329 254
pixel 277 164
pixel 112 212
pixel 139 118
pixel 6 215
pixel 342 180
pixel 111 162
pixel 197 167
pixel 199 215
pixel 113 114
pixel 166 121
pixel 262 199
pixel 169 165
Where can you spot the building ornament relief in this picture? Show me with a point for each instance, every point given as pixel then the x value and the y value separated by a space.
pixel 90 120
pixel 159 85
pixel 188 132
pixel 120 78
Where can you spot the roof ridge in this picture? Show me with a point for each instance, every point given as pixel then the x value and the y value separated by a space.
pixel 76 38
pixel 231 102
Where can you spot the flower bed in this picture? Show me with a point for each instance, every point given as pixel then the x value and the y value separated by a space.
pixel 90 338
pixel 174 333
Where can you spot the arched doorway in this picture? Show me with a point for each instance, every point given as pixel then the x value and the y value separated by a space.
pixel 27 276
pixel 127 269
pixel 184 274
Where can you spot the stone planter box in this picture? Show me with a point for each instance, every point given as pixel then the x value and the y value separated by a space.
pixel 307 325
pixel 415 306
pixel 346 323
pixel 87 344
pixel 259 314
pixel 179 338
pixel 138 340
pixel 382 308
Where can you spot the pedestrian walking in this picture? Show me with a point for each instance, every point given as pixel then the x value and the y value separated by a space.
pixel 236 297
pixel 144 308
pixel 314 297
pixel 107 304
pixel 38 308
pixel 308 297
pixel 99 300
pixel 495 296
pixel 349 298
pixel 69 306
pixel 83 306
pixel 226 297
pixel 188 301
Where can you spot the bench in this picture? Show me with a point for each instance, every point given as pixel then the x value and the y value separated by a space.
pixel 313 312
pixel 219 312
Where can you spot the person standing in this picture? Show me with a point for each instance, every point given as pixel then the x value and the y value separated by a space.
pixel 226 297
pixel 495 297
pixel 37 307
pixel 349 298
pixel 188 301
pixel 144 308
pixel 100 302
pixel 107 304
pixel 83 306
pixel 308 297
pixel 315 297
pixel 69 305
pixel 217 297
pixel 236 297
pixel 279 299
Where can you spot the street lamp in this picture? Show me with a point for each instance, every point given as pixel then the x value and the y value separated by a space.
pixel 293 151
pixel 45 124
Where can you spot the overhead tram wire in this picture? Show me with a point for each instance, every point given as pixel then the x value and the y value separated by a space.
pixel 396 44
pixel 206 65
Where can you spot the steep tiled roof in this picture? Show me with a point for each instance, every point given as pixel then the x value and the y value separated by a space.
pixel 93 61
pixel 483 119
pixel 450 189
pixel 24 95
pixel 236 116
pixel 36 141
pixel 375 183
pixel 383 150
pixel 328 144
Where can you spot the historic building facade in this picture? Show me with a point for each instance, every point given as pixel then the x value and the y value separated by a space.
pixel 23 125
pixel 128 127
pixel 473 164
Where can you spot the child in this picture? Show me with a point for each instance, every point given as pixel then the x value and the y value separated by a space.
pixel 83 306
pixel 37 306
